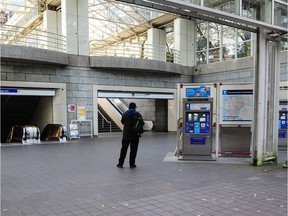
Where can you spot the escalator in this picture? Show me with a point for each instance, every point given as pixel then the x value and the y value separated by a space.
pixel 114 109
pixel 16 110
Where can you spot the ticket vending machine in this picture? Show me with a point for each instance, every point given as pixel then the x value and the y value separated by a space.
pixel 197 129
pixel 283 124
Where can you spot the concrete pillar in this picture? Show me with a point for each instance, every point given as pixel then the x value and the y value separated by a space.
pixel 75 26
pixel 266 99
pixel 156 44
pixel 184 40
pixel 50 26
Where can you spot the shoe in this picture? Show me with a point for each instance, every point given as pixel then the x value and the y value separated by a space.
pixel 119 166
pixel 133 166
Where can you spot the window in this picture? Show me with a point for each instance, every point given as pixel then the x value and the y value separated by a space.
pixel 220 43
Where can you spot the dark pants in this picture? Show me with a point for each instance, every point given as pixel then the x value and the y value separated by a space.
pixel 133 151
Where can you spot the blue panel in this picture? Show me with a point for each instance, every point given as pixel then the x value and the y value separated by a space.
pixel 282 134
pixel 202 91
pixel 7 90
pixel 196 127
pixel 283 120
pixel 197 140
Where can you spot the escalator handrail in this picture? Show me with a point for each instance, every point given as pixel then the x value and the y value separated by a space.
pixel 109 122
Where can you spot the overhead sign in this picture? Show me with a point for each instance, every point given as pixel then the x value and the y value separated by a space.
pixel 140 95
pixel 27 92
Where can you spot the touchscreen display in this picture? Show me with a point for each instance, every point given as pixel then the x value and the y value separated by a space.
pixel 197 122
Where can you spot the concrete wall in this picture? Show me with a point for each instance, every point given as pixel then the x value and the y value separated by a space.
pixel 241 70
pixel 42 114
pixel 81 73
pixel 79 80
pixel 161 115
pixel 146 107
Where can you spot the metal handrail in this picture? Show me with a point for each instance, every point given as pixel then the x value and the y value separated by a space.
pixel 134 50
pixel 17 35
pixel 109 122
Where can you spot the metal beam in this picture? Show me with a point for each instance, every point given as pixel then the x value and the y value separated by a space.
pixel 207 14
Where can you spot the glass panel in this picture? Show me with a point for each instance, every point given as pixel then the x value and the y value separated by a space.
pixel 201 43
pixel 214 40
pixel 214 28
pixel 214 55
pixel 202 29
pixel 229 52
pixel 244 49
pixel 243 35
pixel 284 45
pixel 109 19
pixel 201 57
pixel 265 8
pixel 229 35
pixel 198 2
pixel 250 9
pixel 224 5
pixel 280 15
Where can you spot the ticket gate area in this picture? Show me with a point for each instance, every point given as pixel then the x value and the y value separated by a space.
pixel 197 129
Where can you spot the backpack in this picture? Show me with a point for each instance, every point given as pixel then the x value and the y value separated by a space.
pixel 137 126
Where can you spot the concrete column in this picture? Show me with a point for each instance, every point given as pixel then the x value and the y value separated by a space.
pixel 75 26
pixel 184 40
pixel 266 100
pixel 260 100
pixel 172 126
pixel 50 22
pixel 156 44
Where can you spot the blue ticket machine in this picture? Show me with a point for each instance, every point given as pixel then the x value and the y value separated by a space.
pixel 197 136
pixel 283 124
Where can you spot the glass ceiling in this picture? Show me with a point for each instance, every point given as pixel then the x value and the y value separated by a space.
pixel 108 20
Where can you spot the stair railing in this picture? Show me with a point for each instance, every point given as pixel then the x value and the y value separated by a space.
pixel 103 120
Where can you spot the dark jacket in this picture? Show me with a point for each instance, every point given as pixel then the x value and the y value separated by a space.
pixel 127 120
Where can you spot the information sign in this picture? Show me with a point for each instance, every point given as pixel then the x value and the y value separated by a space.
pixel 74 132
pixel 237 105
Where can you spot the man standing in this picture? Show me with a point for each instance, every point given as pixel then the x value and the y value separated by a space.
pixel 130 137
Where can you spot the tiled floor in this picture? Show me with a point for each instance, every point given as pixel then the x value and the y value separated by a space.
pixel 81 178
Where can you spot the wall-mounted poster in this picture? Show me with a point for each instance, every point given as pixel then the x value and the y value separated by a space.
pixel 237 105
pixel 201 91
pixel 81 110
pixel 71 107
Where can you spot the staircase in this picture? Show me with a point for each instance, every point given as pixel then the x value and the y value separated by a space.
pixel 103 125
